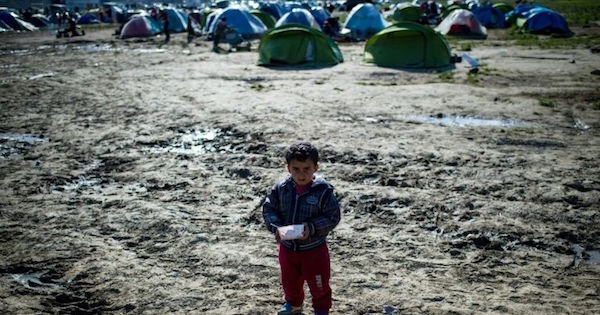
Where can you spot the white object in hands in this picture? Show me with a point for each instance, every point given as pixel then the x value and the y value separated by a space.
pixel 291 232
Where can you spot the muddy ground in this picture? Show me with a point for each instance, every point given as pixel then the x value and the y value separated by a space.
pixel 132 176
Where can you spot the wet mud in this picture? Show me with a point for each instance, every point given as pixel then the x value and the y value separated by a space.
pixel 133 173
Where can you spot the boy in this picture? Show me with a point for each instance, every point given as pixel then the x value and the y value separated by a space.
pixel 303 199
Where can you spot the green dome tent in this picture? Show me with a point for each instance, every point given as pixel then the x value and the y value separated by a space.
pixel 407 45
pixel 267 19
pixel 293 44
pixel 407 12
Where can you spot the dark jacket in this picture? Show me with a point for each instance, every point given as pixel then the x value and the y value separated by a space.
pixel 317 206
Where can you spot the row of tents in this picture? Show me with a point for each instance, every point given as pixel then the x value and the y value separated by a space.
pixel 363 21
pixel 11 21
pixel 473 21
pixel 296 38
pixel 57 15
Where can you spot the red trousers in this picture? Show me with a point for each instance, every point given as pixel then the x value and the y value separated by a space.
pixel 311 266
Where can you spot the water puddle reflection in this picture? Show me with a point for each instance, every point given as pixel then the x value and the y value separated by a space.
pixel 197 142
pixel 41 75
pixel 91 48
pixel 28 138
pixel 36 282
pixel 97 48
pixel 581 125
pixel 82 182
pixel 451 121
pixel 13 143
pixel 149 50
pixel 18 52
pixel 9 66
pixel 594 257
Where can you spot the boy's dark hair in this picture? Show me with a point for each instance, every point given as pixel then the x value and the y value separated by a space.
pixel 301 151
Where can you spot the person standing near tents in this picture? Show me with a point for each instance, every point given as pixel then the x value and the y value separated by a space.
pixel 72 25
pixel 219 33
pixel 190 29
pixel 165 19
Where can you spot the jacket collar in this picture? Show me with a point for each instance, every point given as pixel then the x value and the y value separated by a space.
pixel 317 181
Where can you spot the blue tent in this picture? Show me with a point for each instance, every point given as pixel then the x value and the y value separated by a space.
pixel 545 21
pixel 88 18
pixel 364 20
pixel 489 16
pixel 240 19
pixel 14 22
pixel 4 27
pixel 320 14
pixel 298 16
pixel 273 9
pixel 177 20
pixel 39 20
pixel 519 11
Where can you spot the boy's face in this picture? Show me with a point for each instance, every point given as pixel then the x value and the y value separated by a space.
pixel 302 171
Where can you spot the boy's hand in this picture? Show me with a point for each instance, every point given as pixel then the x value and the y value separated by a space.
pixel 306 232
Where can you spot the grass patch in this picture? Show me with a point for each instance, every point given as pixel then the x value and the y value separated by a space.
pixel 257 87
pixel 366 83
pixel 521 38
pixel 373 83
pixel 486 70
pixel 576 12
pixel 465 47
pixel 463 44
pixel 472 79
pixel 446 77
pixel 546 102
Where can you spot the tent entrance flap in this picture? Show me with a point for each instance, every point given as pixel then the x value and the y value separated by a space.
pixel 293 50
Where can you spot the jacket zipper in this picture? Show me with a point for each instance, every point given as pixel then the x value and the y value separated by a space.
pixel 296 197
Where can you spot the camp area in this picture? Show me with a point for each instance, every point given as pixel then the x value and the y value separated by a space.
pixel 461 140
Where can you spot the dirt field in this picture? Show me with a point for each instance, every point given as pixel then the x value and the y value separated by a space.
pixel 133 173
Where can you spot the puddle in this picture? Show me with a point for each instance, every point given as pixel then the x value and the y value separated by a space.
pixel 9 66
pixel 28 138
pixel 594 257
pixel 372 179
pixel 97 48
pixel 197 142
pixel 461 121
pixel 581 125
pixel 149 50
pixel 18 52
pixel 42 75
pixel 36 282
pixel 92 48
pixel 12 143
pixel 451 121
pixel 82 182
